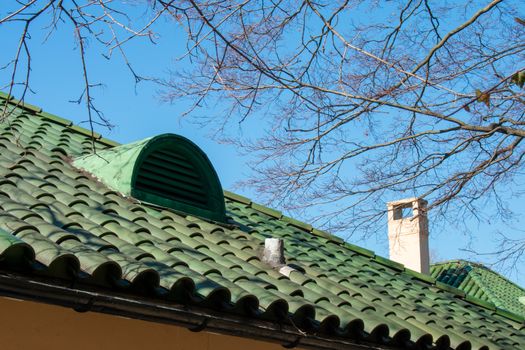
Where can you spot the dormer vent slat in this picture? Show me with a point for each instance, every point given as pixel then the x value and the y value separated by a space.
pixel 167 170
pixel 166 166
pixel 173 194
pixel 169 154
pixel 172 191
pixel 175 162
pixel 155 172
pixel 172 180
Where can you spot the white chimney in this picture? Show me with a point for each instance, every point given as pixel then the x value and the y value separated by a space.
pixel 408 233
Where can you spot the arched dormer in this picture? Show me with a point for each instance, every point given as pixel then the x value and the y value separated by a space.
pixel 167 170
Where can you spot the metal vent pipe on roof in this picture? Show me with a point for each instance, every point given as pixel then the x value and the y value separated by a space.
pixel 273 253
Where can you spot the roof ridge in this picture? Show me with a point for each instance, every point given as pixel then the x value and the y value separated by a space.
pixel 39 112
pixel 463 261
pixel 279 215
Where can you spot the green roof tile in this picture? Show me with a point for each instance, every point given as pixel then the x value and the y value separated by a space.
pixel 60 222
pixel 237 197
pixel 31 107
pixel 268 211
pixel 4 95
pixel 479 282
pixel 21 104
pixel 297 223
pixel 360 250
pixel 510 315
pixel 480 302
pixel 420 276
pixel 55 119
pixel 86 132
pixel 389 263
pixel 450 289
pixel 321 233
pixel 108 142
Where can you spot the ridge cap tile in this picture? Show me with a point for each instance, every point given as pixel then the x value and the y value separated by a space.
pixel 85 131
pixel 363 251
pixel 297 223
pixel 55 118
pixel 5 96
pixel 19 103
pixel 389 263
pixel 328 236
pixel 237 197
pixel 266 210
pixel 449 288
pixel 510 314
pixel 485 304
pixel 420 276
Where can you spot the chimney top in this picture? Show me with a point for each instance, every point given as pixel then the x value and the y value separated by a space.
pixel 410 200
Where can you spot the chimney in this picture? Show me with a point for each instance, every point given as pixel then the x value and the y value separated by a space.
pixel 408 233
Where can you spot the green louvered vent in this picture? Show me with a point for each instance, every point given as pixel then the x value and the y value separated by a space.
pixel 173 176
pixel 166 170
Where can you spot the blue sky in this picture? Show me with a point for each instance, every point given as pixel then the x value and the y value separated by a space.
pixel 137 112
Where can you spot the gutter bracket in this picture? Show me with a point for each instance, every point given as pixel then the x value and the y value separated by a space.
pixel 293 344
pixel 85 307
pixel 199 327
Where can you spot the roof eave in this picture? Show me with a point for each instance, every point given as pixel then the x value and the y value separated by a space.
pixel 195 319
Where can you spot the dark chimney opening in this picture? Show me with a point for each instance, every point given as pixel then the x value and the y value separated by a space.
pixel 403 211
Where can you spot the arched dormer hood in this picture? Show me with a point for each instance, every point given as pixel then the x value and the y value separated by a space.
pixel 167 170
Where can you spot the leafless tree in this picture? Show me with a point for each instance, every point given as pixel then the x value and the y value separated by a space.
pixel 355 102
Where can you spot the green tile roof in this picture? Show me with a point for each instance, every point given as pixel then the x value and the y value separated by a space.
pixel 482 283
pixel 60 223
